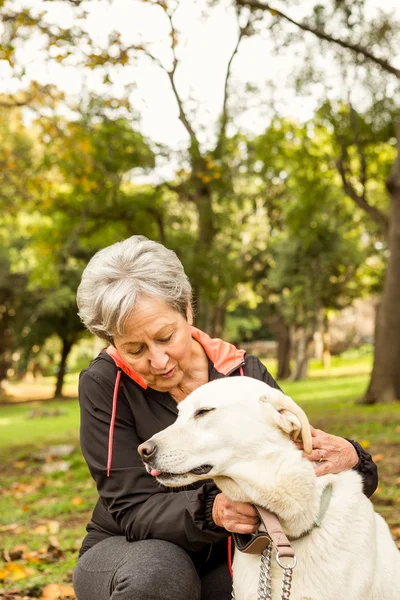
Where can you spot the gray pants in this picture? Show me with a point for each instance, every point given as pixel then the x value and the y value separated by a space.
pixel 115 569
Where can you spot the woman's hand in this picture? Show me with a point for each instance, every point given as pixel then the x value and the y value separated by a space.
pixel 238 517
pixel 332 454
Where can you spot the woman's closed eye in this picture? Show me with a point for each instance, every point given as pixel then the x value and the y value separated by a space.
pixel 140 350
pixel 165 339
pixel 135 352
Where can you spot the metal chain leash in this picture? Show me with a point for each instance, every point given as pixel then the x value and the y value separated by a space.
pixel 264 582
pixel 286 583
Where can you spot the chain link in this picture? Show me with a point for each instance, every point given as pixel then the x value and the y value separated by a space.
pixel 286 583
pixel 264 582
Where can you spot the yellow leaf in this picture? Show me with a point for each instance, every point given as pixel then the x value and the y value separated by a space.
pixel 40 530
pixel 20 464
pixel 14 572
pixel 77 501
pixel 365 443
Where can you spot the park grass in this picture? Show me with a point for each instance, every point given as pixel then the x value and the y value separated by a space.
pixel 43 516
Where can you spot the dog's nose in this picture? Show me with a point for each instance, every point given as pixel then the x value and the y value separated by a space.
pixel 147 450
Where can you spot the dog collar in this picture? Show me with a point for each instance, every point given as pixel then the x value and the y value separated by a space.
pixel 271 530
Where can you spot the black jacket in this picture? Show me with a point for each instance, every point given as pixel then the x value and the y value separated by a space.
pixel 131 503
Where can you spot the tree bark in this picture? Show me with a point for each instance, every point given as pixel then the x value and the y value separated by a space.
pixel 326 340
pixel 66 349
pixel 302 343
pixel 284 349
pixel 384 385
pixel 205 242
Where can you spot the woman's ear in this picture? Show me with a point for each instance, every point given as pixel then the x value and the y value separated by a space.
pixel 189 314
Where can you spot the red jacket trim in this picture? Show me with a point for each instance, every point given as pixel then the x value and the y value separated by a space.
pixel 223 355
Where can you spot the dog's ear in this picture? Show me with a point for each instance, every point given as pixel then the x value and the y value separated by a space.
pixel 289 417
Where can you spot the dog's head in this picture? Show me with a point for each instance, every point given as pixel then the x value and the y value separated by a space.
pixel 221 424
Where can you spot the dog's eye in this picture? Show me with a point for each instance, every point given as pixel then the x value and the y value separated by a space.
pixel 202 411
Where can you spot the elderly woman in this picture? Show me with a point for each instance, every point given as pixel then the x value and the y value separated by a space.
pixel 145 541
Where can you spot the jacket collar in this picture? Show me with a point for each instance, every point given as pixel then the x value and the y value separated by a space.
pixel 224 356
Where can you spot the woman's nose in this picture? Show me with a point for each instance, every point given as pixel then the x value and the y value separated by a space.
pixel 158 360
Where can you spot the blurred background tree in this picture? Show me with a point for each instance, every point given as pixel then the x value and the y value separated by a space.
pixel 277 227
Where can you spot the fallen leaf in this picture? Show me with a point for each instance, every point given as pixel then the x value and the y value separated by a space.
pixel 378 457
pixel 15 553
pixel 77 501
pixel 40 530
pixel 54 541
pixel 46 501
pixel 20 464
pixel 10 527
pixel 53 591
pixel 50 527
pixel 365 443
pixel 14 572
pixel 54 526
pixel 20 489
pixel 32 557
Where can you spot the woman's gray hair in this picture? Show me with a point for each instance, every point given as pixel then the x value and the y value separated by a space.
pixel 117 276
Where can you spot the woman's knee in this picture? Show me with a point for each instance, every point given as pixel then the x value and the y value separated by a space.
pixel 156 570
pixel 146 570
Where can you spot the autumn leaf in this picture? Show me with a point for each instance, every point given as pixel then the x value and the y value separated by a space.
pixel 15 553
pixel 377 457
pixel 365 444
pixel 53 591
pixel 20 464
pixel 11 527
pixel 14 572
pixel 50 527
pixel 77 501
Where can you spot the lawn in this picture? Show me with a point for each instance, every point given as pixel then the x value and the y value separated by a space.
pixel 46 499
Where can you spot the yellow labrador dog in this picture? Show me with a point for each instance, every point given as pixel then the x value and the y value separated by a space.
pixel 238 431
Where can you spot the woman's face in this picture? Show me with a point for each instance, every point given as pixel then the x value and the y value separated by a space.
pixel 157 344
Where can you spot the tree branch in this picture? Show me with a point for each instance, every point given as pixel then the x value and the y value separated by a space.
pixel 385 65
pixel 374 213
pixel 194 143
pixel 219 150
pixel 363 162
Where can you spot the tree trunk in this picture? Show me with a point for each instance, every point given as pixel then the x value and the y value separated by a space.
pixel 302 345
pixel 284 349
pixel 66 348
pixel 384 385
pixel 326 340
pixel 205 242
pixel 218 320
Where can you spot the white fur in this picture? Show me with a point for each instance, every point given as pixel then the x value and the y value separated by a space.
pixel 350 557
